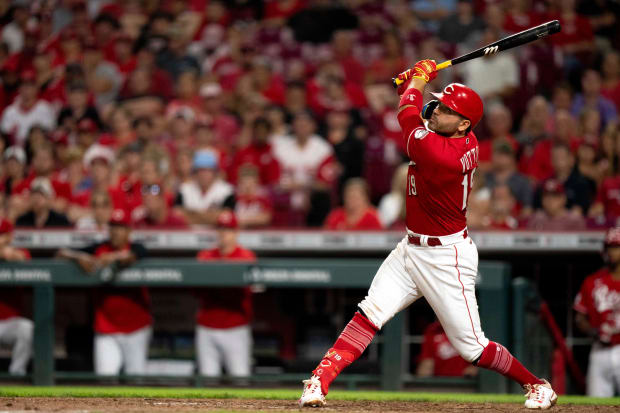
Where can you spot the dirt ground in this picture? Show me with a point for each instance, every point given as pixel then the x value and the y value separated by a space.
pixel 83 405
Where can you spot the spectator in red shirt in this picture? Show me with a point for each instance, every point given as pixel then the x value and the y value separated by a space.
pixel 223 334
pixel 439 358
pixel 15 330
pixel 357 214
pixel 156 212
pixel 253 208
pixel 258 153
pixel 122 317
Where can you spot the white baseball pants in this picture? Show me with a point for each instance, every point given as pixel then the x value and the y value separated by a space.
pixel 18 332
pixel 445 275
pixel 604 371
pixel 128 350
pixel 227 347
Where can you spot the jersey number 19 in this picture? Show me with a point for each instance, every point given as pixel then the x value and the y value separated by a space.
pixel 468 184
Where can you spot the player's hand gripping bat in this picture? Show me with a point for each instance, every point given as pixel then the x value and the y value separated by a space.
pixel 517 39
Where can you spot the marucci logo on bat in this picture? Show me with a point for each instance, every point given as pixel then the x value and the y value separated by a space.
pixel 491 50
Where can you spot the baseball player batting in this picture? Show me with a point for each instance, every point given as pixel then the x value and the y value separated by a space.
pixel 436 259
pixel 598 314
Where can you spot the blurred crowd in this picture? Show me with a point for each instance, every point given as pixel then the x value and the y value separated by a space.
pixel 283 111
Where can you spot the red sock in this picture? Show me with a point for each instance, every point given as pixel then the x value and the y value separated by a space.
pixel 350 345
pixel 497 358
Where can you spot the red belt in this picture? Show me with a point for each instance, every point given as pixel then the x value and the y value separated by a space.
pixel 431 241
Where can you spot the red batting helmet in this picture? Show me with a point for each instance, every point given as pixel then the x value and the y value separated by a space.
pixel 462 100
pixel 612 237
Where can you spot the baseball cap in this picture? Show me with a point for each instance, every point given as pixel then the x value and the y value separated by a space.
pixel 5 226
pixel 87 125
pixel 120 218
pixel 553 186
pixel 227 220
pixel 97 151
pixel 28 75
pixel 42 185
pixel 15 152
pixel 210 90
pixel 205 160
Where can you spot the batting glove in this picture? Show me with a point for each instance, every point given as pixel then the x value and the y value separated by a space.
pixel 424 69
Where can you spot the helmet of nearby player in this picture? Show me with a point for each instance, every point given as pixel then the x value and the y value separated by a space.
pixel 462 100
pixel 612 237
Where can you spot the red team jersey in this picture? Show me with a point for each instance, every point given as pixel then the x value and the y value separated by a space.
pixel 599 300
pixel 440 175
pixel 437 347
pixel 225 307
pixel 120 309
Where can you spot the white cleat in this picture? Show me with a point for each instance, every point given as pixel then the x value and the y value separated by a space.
pixel 312 395
pixel 540 396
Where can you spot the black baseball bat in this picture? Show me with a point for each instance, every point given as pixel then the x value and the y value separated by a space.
pixel 517 39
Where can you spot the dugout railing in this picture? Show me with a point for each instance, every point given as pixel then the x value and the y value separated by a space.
pixel 44 275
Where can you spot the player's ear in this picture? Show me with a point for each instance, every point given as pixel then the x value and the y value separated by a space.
pixel 464 125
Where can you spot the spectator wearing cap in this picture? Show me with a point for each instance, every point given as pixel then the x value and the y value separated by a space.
pixel 14 167
pixel 591 97
pixel 97 162
pixel 202 199
pixel 129 185
pixel 27 111
pixel 43 166
pixel 40 213
pixel 259 153
pixel 225 126
pixel 554 215
pixel 181 124
pixel 253 207
pixel 155 210
pixel 223 334
pixel 357 213
pixel 87 133
pixel 15 330
pixel 122 315
pixel 78 107
pixel 504 171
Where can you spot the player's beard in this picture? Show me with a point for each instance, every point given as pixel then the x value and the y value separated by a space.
pixel 442 129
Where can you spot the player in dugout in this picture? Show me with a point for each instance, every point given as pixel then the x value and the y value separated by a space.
pixel 15 330
pixel 436 259
pixel 223 334
pixel 598 314
pixel 122 314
